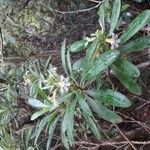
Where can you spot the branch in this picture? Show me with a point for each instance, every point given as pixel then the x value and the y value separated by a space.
pixel 72 12
pixel 125 137
pixel 113 143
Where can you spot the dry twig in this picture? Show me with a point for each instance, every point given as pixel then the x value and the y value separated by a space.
pixel 72 12
pixel 125 137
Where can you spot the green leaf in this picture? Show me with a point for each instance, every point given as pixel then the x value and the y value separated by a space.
pixel 101 14
pixel 47 63
pixel 36 103
pixel 110 97
pixel 69 62
pixel 78 46
pixel 40 127
pixel 37 114
pixel 31 148
pixel 27 136
pixel 64 139
pixel 78 64
pixel 91 49
pixel 63 56
pixel 128 82
pixel 116 98
pixel 63 133
pixel 42 93
pixel 101 63
pixel 70 120
pixel 127 68
pixel 88 59
pixel 33 90
pixel 64 97
pixel 51 131
pixel 104 112
pixel 2 111
pixel 115 15
pixel 136 45
pixel 88 116
pixel 139 22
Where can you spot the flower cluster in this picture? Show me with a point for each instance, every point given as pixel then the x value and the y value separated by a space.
pixel 63 84
pixel 54 81
pixel 114 41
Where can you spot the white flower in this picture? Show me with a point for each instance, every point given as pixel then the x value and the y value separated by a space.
pixel 26 78
pixel 52 70
pixel 63 84
pixel 114 41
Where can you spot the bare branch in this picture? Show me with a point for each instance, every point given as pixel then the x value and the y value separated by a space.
pixel 126 138
pixel 72 12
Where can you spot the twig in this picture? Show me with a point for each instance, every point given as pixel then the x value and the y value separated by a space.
pixel 113 143
pixel 143 65
pixel 144 86
pixel 125 137
pixel 134 142
pixel 72 12
pixel 138 122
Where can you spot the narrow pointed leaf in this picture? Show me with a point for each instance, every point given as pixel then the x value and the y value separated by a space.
pixel 69 62
pixel 27 136
pixel 78 64
pixel 139 22
pixel 88 116
pixel 136 45
pixel 31 148
pixel 70 120
pixel 78 46
pixel 64 138
pixel 127 68
pixel 110 97
pixel 115 15
pixel 37 114
pixel 88 59
pixel 63 56
pixel 128 82
pixel 40 127
pixel 101 14
pixel 47 63
pixel 104 112
pixel 36 103
pixel 51 132
pixel 42 93
pixel 116 98
pixel 91 49
pixel 101 63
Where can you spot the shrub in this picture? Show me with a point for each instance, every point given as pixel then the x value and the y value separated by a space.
pixel 58 98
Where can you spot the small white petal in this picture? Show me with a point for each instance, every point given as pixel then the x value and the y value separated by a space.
pixel 112 46
pixel 118 40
